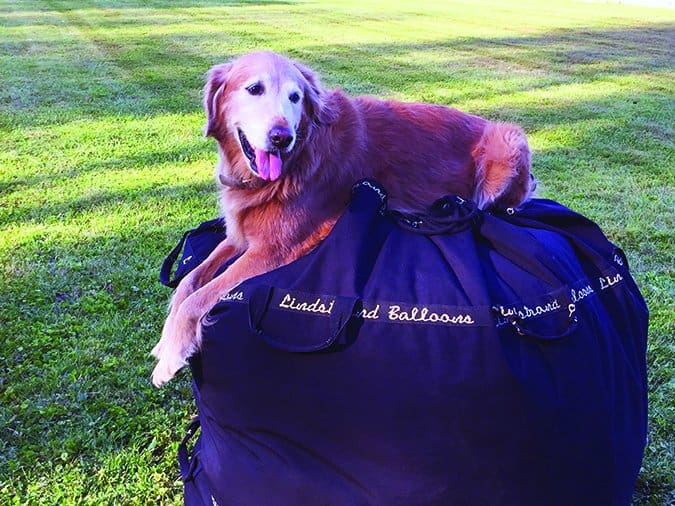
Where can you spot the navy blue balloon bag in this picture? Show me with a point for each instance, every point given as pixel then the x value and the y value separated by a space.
pixel 463 357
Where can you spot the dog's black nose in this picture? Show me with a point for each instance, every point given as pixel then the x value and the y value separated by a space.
pixel 280 137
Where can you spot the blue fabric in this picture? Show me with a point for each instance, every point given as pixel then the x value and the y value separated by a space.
pixel 194 247
pixel 460 358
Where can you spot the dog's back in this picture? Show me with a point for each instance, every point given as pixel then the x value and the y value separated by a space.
pixel 420 152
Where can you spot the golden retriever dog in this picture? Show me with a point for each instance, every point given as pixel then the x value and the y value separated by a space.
pixel 290 151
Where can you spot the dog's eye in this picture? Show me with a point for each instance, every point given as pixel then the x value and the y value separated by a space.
pixel 256 89
pixel 294 97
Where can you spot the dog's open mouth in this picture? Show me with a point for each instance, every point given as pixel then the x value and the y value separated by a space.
pixel 266 164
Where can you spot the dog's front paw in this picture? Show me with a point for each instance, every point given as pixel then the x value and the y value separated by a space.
pixel 166 368
pixel 178 343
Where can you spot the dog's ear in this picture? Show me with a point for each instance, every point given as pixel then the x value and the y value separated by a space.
pixel 316 97
pixel 215 85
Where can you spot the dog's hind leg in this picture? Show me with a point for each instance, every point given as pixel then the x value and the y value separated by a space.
pixel 502 167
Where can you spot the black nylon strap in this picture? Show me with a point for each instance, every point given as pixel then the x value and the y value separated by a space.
pixel 448 215
pixel 169 261
pixel 183 454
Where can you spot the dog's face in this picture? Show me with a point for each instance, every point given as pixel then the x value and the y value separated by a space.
pixel 255 107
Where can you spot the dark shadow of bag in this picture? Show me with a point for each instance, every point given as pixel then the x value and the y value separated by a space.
pixel 462 357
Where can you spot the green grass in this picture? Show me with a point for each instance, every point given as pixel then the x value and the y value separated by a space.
pixel 103 164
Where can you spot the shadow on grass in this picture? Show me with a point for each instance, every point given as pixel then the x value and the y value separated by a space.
pixel 579 55
pixel 105 201
pixel 147 74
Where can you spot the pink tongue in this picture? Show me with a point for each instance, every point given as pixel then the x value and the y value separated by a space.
pixel 268 164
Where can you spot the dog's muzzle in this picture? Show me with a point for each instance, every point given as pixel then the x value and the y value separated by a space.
pixel 266 164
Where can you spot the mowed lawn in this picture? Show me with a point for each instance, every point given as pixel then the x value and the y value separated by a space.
pixel 103 165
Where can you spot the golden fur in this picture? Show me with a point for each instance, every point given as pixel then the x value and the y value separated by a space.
pixel 326 142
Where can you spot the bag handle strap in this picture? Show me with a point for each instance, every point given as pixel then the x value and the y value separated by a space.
pixel 516 315
pixel 600 260
pixel 184 461
pixel 170 260
pixel 519 328
pixel 522 331
pixel 510 240
pixel 341 312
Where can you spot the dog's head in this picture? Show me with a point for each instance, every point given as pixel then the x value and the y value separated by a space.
pixel 259 107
